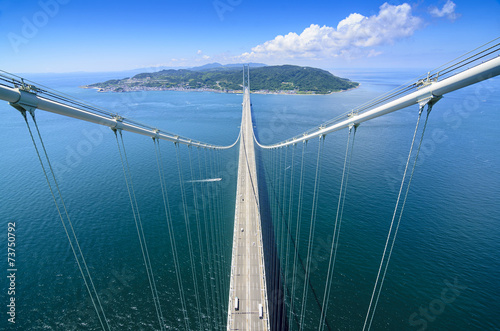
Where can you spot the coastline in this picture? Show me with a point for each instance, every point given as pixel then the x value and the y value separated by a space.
pixel 179 89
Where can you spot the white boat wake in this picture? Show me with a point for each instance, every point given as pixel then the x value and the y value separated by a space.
pixel 204 180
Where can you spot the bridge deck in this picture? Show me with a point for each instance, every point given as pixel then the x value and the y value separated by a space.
pixel 248 282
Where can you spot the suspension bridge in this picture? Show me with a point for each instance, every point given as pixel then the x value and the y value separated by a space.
pixel 259 281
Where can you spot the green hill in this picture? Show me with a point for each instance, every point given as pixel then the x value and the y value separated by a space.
pixel 266 79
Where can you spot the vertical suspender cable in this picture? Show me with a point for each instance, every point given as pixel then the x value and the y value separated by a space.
pixel 336 231
pixel 267 239
pixel 401 212
pixel 289 222
pixel 276 222
pixel 297 230
pixel 224 242
pixel 279 207
pixel 377 285
pixel 207 211
pixel 282 205
pixel 216 271
pixel 188 233
pixel 139 228
pixel 311 229
pixel 204 202
pixel 224 271
pixel 279 233
pixel 168 217
pixel 217 241
pixel 284 226
pixel 198 230
pixel 272 241
pixel 218 227
pixel 95 302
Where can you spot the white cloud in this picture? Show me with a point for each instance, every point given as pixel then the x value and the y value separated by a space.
pixel 447 11
pixel 199 52
pixel 354 36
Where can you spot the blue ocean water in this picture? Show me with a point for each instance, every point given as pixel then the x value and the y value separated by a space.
pixel 449 232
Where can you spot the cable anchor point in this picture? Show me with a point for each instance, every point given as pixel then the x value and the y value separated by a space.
pixel 157 134
pixel 27 101
pixel 428 101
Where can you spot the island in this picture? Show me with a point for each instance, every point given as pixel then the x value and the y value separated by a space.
pixel 283 79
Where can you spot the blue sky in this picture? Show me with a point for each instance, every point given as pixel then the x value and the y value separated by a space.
pixel 76 35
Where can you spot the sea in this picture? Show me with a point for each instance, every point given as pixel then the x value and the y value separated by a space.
pixel 444 270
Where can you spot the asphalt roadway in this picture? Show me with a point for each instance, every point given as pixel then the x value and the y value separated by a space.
pixel 248 282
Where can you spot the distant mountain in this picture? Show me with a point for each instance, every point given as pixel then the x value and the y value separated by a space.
pixel 228 78
pixel 207 66
pixel 217 66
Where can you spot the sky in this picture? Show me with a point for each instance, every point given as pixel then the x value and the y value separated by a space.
pixel 107 35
